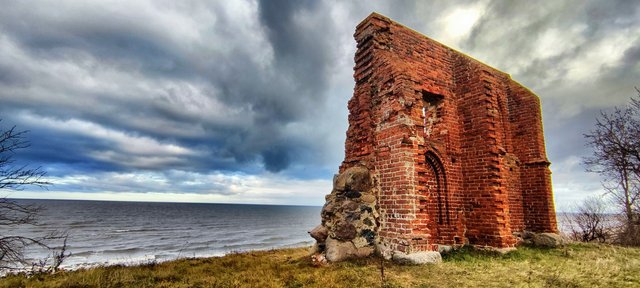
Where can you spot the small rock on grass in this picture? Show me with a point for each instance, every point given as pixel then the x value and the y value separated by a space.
pixel 418 258
pixel 548 240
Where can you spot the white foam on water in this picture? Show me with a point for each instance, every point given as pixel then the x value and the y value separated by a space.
pixel 134 233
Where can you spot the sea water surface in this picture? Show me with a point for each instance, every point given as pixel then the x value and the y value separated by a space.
pixel 107 233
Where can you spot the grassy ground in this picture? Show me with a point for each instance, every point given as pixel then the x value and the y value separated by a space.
pixel 577 265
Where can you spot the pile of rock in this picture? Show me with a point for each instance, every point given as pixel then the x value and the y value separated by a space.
pixel 349 218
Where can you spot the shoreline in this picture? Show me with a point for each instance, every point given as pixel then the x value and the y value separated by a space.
pixel 147 260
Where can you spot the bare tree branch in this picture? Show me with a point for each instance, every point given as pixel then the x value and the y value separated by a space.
pixel 13 213
pixel 615 141
pixel 588 223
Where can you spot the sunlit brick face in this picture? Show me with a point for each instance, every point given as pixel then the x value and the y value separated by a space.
pixel 456 147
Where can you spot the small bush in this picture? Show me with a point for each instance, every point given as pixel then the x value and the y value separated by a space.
pixel 589 222
pixel 629 235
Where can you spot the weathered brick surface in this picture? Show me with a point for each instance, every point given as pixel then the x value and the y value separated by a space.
pixel 456 146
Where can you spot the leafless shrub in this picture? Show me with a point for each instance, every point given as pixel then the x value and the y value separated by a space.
pixel 628 234
pixel 615 141
pixel 589 222
pixel 12 247
pixel 13 213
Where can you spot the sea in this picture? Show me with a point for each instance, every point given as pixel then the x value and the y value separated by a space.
pixel 126 233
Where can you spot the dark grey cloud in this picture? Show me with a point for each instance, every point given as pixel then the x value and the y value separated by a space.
pixel 255 91
pixel 180 91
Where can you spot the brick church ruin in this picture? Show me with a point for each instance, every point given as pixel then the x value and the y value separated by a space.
pixel 441 151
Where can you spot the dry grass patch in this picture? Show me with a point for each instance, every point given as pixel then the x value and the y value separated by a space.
pixel 578 265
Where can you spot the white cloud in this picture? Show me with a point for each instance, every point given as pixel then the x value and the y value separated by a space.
pixel 182 186
pixel 554 41
pixel 597 57
pixel 124 148
pixel 571 184
pixel 456 23
pixel 128 143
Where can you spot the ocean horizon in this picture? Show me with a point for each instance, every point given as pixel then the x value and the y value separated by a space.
pixel 104 232
pixel 133 232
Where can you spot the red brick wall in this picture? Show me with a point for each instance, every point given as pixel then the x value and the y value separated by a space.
pixel 456 146
pixel 535 176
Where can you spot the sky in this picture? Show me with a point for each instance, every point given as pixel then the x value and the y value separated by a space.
pixel 246 101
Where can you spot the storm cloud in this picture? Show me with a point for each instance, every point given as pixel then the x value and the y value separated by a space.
pixel 227 86
pixel 188 97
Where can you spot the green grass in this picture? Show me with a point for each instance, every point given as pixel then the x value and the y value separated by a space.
pixel 577 265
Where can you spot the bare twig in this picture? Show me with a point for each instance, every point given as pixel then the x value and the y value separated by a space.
pixel 615 141
pixel 13 213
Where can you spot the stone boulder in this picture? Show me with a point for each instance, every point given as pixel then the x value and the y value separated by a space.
pixel 341 250
pixel 540 239
pixel 345 231
pixel 319 233
pixel 318 260
pixel 355 179
pixel 548 240
pixel 418 258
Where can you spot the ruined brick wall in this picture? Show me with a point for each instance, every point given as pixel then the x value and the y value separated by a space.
pixel 455 146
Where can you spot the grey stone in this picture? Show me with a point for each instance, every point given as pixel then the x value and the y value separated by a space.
pixel 352 216
pixel 365 208
pixel 340 250
pixel 358 179
pixel 363 252
pixel 327 209
pixel 339 182
pixel 353 179
pixel 368 198
pixel 360 242
pixel 331 196
pixel 345 231
pixel 349 206
pixel 524 238
pixel 418 258
pixel 384 250
pixel 548 240
pixel 319 233
pixel 352 194
pixel 527 235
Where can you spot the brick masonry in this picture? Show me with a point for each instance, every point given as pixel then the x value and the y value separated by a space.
pixel 455 146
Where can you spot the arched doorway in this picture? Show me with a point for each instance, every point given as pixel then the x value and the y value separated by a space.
pixel 439 187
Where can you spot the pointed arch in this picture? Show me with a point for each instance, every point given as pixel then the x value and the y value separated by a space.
pixel 442 195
